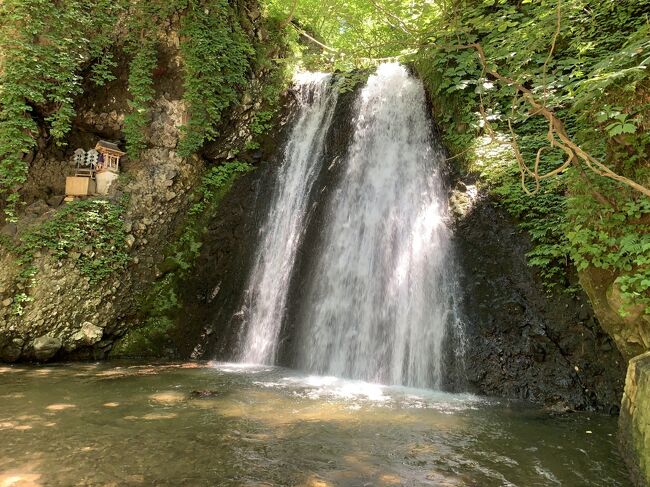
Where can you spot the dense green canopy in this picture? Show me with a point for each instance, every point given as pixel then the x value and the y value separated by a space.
pixel 565 83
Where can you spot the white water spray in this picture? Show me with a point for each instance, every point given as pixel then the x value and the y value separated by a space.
pixel 280 236
pixel 378 295
pixel 380 304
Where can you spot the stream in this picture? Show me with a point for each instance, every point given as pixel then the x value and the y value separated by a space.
pixel 219 424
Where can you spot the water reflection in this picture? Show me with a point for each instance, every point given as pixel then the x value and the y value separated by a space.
pixel 232 425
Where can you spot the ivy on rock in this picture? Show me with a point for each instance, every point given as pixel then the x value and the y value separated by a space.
pixel 217 57
pixel 44 46
pixel 90 233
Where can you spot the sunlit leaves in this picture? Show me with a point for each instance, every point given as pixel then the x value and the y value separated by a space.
pixel 597 81
pixel 359 31
pixel 218 57
pixel 43 47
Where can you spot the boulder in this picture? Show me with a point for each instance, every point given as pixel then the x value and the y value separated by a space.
pixel 87 335
pixel 204 394
pixel 10 229
pixel 630 329
pixel 37 208
pixel 55 201
pixel 11 351
pixel 45 347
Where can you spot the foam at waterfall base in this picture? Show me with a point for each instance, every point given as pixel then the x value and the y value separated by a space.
pixel 356 393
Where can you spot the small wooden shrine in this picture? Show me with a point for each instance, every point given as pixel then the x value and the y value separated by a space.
pixel 95 170
pixel 110 156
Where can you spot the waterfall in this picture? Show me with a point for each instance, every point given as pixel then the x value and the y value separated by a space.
pixel 280 236
pixel 379 307
pixel 378 296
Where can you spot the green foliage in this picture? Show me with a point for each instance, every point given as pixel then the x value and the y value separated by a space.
pixel 596 81
pixel 92 228
pixel 143 30
pixel 89 232
pixel 277 73
pixel 102 71
pixel 217 56
pixel 542 216
pixel 46 47
pixel 43 48
pixel 355 31
pixel 142 94
pixel 614 238
pixel 261 122
pixel 348 81
pixel 19 303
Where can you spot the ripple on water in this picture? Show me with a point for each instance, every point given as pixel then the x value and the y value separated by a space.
pixel 141 424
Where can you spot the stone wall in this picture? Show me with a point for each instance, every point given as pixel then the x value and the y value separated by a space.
pixel 634 422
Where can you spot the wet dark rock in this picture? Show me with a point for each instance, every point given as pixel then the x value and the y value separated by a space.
pixel 521 342
pixel 212 294
pixel 204 394
pixel 12 350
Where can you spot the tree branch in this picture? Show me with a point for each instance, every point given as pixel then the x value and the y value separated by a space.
pixel 401 24
pixel 575 153
pixel 289 18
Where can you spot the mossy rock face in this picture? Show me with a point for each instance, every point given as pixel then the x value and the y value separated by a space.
pixel 161 311
pixel 631 331
pixel 634 421
pixel 150 340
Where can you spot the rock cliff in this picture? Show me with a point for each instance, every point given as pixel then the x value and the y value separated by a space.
pixel 631 332
pixel 521 341
pixel 60 308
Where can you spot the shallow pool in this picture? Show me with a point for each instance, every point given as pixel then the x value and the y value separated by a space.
pixel 195 424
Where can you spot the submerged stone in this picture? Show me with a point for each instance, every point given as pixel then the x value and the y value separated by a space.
pixel 204 394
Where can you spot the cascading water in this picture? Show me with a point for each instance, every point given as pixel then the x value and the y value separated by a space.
pixel 269 280
pixel 377 297
pixel 381 302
